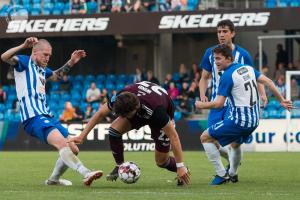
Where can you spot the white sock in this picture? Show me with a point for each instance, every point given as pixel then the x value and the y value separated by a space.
pixel 59 169
pixel 235 160
pixel 214 157
pixel 224 151
pixel 72 161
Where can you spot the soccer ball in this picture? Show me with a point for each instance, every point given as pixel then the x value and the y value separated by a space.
pixel 129 172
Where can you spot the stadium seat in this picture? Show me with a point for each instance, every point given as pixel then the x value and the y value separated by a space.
pixel 1 116
pixel 67 9
pixel 176 77
pixel 265 114
pixel 271 4
pixel 90 77
pixel 273 105
pixel 130 79
pixel 295 3
pixel 122 78
pixel 11 97
pixel 192 4
pixel 25 2
pixel 5 88
pixel 101 78
pixel 120 87
pixel 77 86
pixel 177 115
pixel 111 78
pixel 65 97
pixel 2 107
pixel 95 106
pixel 78 78
pixel 55 97
pixel 36 1
pixel 76 96
pixel 56 11
pixel 91 7
pixel 273 114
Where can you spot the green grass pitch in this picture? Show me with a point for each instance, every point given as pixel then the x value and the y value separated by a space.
pixel 262 176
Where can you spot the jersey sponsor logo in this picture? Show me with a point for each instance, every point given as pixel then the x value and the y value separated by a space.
pixel 242 70
pixel 58 25
pixel 211 20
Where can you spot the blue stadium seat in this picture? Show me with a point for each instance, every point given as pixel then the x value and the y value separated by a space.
pixel 56 11
pixel 77 86
pixel 110 87
pixel 1 116
pixel 176 77
pixel 273 114
pixel 273 105
pixel 55 97
pixel 78 78
pixel 101 78
pixel 53 105
pixel 177 115
pixel 130 79
pixel 90 77
pixel 36 1
pixel 296 113
pixel 296 103
pixel 2 107
pixel 120 87
pixel 83 105
pixel 122 78
pixel 76 96
pixel 91 7
pixel 192 4
pixel 65 97
pixel 271 4
pixel 75 102
pixel 95 106
pixel 11 97
pixel 111 78
pixel 295 3
pixel 26 2
pixel 265 114
pixel 5 88
pixel 67 9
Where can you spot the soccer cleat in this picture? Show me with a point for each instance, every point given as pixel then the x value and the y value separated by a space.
pixel 219 180
pixel 60 182
pixel 113 175
pixel 234 179
pixel 91 176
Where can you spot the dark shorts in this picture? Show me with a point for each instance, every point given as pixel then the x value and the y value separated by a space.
pixel 162 142
pixel 40 126
pixel 227 132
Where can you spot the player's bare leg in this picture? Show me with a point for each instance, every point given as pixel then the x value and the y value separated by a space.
pixel 119 126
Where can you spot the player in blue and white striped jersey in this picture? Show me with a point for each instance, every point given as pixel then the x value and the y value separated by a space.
pixel 30 74
pixel 238 84
pixel 226 33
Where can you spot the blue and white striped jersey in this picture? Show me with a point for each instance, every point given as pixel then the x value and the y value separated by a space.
pixel 238 84
pixel 240 55
pixel 30 86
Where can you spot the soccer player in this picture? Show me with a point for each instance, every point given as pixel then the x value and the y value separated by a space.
pixel 238 84
pixel 137 105
pixel 225 33
pixel 30 74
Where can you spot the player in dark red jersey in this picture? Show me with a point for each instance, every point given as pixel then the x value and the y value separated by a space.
pixel 137 105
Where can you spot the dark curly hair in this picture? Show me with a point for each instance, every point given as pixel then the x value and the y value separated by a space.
pixel 125 103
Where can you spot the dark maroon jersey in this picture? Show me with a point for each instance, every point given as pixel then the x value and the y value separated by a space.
pixel 156 105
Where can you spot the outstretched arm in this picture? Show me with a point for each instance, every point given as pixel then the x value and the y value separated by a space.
pixel 262 92
pixel 182 171
pixel 9 56
pixel 75 58
pixel 97 117
pixel 217 103
pixel 269 83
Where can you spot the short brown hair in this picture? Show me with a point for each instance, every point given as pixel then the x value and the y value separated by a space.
pixel 125 103
pixel 225 50
pixel 226 22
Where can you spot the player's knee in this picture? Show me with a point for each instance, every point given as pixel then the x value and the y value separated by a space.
pixel 235 145
pixel 113 134
pixel 204 137
pixel 161 162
